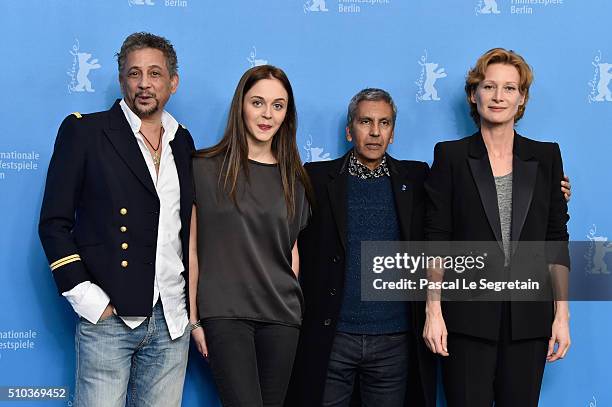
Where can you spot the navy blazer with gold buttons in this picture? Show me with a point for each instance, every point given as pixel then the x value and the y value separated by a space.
pixel 100 210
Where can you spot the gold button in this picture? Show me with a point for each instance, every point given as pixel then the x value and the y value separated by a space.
pixel 123 229
pixel 123 211
pixel 124 246
pixel 124 263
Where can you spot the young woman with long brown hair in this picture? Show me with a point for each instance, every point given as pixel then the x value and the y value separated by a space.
pixel 251 201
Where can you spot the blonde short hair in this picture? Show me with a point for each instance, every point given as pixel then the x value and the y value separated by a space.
pixel 477 75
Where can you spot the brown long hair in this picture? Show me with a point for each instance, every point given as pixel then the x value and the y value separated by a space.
pixel 235 150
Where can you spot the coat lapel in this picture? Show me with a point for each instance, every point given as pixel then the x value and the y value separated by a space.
pixel 336 189
pixel 525 170
pixel 182 160
pixel 402 192
pixel 483 177
pixel 121 137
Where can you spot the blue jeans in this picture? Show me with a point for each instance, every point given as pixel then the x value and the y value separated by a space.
pixel 118 366
pixel 380 362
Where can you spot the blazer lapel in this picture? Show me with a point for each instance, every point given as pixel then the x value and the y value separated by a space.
pixel 483 176
pixel 402 192
pixel 525 171
pixel 121 137
pixel 182 159
pixel 336 189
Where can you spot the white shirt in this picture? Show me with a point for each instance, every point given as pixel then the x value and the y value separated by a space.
pixel 89 300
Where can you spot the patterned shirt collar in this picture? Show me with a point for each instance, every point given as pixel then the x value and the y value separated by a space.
pixel 357 169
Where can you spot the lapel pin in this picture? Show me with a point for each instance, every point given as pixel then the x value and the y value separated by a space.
pixel 403 187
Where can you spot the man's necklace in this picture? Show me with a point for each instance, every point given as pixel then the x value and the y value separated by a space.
pixel 156 153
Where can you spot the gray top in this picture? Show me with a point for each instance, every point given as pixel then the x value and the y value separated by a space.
pixel 245 254
pixel 503 185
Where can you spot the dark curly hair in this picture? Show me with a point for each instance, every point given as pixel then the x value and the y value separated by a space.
pixel 142 40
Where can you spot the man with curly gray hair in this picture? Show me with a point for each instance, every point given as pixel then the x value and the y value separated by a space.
pixel 114 224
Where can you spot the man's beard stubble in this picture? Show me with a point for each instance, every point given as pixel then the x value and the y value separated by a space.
pixel 145 113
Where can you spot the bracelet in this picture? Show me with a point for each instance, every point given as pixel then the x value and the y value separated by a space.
pixel 197 325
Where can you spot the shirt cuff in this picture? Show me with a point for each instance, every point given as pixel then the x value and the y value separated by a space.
pixel 88 300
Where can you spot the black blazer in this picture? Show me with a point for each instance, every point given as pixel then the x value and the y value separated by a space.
pixel 463 207
pixel 100 210
pixel 322 247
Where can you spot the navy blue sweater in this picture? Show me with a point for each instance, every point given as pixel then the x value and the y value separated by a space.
pixel 371 216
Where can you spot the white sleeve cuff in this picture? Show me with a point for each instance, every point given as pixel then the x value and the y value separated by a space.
pixel 88 300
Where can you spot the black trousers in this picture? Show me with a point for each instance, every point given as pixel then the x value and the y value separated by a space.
pixel 479 372
pixel 251 361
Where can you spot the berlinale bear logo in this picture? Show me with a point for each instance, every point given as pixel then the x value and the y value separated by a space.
pixel 85 65
pixel 596 254
pixel 315 5
pixel 432 75
pixel 427 80
pixel 600 84
pixel 487 7
pixel 79 72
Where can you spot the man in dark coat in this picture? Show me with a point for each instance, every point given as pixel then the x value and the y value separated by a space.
pixel 345 343
pixel 114 225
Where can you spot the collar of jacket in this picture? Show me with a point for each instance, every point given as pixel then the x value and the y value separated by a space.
pixel 343 162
